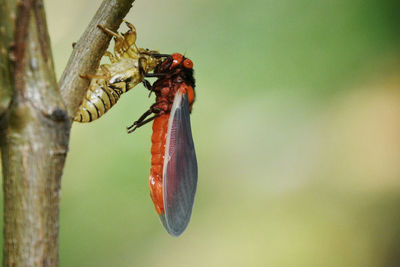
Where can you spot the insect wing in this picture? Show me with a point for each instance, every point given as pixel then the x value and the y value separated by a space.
pixel 180 168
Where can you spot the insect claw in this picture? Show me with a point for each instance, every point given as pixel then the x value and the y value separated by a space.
pixel 131 131
pixel 133 125
pixel 130 26
pixel 132 128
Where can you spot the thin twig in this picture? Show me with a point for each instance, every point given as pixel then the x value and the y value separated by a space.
pixel 88 51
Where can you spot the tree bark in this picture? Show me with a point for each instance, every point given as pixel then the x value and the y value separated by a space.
pixel 35 125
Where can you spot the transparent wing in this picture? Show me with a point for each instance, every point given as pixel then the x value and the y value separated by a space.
pixel 180 168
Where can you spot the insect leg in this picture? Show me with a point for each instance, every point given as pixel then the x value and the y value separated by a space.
pixel 130 35
pixel 156 55
pixel 148 86
pixel 119 40
pixel 110 32
pixel 160 55
pixel 91 76
pixel 142 65
pixel 142 120
pixel 111 57
pixel 138 124
pixel 105 70
pixel 144 116
pixel 146 83
pixel 157 75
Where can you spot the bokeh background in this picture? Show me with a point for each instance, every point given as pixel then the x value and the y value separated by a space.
pixel 296 127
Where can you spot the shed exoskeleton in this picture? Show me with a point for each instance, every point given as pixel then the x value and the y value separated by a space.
pixel 128 67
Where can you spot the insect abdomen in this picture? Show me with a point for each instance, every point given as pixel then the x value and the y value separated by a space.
pixel 99 99
pixel 160 128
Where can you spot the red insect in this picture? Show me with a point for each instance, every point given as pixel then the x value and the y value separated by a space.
pixel 173 173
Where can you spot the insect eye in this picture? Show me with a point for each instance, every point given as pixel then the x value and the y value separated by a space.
pixel 177 59
pixel 188 63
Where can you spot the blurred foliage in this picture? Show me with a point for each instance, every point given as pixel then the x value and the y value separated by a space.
pixel 296 127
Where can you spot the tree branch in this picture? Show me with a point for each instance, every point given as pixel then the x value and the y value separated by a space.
pixel 34 143
pixel 88 51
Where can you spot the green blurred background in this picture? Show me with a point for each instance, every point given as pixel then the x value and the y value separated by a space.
pixel 296 127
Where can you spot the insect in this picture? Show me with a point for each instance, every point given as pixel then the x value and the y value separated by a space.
pixel 173 173
pixel 128 66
